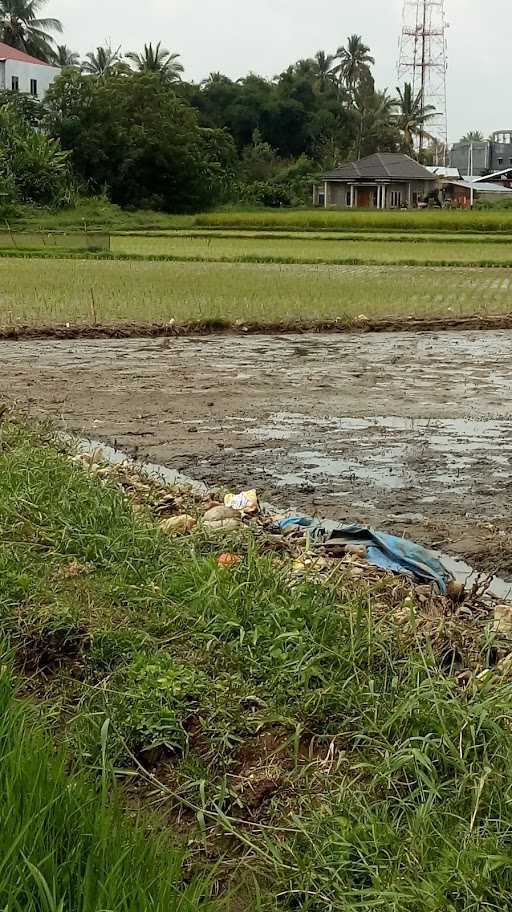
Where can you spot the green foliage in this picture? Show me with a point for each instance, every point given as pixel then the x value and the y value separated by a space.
pixel 62 848
pixel 22 28
pixel 30 111
pixel 132 135
pixel 149 700
pixel 33 167
pixel 389 782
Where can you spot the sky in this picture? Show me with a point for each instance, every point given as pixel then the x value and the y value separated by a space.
pixel 265 36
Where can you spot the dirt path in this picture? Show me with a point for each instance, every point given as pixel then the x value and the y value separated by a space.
pixel 409 432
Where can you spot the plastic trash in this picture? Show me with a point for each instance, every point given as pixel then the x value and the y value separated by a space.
pixel 178 525
pixel 399 555
pixel 245 502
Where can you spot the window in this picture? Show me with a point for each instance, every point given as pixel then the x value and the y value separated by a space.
pixel 500 161
pixel 321 198
pixel 33 87
pixel 395 199
pixel 15 84
pixel 347 199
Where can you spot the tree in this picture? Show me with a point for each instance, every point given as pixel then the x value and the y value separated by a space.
pixel 412 116
pixel 355 61
pixel 63 56
pixel 131 135
pixel 326 71
pixel 157 60
pixel 101 63
pixel 375 112
pixel 472 136
pixel 21 28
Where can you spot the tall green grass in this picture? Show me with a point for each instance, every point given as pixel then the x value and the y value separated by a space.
pixel 360 220
pixel 63 846
pixel 47 291
pixel 383 776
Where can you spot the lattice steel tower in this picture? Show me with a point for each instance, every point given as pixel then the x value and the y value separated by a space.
pixel 423 63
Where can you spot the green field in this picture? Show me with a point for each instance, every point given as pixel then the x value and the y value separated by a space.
pixel 362 220
pixel 46 291
pixel 308 745
pixel 307 250
pixel 99 214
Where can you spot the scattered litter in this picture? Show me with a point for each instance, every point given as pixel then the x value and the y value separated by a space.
pixel 220 514
pixel 245 502
pixel 503 620
pixel 399 555
pixel 402 581
pixel 228 560
pixel 178 525
pixel 227 525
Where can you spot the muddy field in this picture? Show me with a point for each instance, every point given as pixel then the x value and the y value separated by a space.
pixel 409 432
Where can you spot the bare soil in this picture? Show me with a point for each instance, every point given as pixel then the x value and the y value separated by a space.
pixel 133 329
pixel 410 432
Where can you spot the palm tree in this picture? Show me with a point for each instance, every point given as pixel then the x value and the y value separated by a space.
pixel 375 112
pixel 101 63
pixel 21 28
pixel 325 71
pixel 157 60
pixel 355 61
pixel 65 57
pixel 473 136
pixel 412 116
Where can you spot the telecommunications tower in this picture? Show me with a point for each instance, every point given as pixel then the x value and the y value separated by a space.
pixel 423 64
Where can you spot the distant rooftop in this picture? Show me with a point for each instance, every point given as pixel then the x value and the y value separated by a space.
pixel 381 166
pixel 9 53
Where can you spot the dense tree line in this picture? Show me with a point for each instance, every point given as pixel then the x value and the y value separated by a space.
pixel 129 125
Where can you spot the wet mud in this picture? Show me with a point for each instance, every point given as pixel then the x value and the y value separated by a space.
pixel 409 432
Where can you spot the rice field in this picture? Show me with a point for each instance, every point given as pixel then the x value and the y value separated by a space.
pixel 362 220
pixel 303 249
pixel 45 291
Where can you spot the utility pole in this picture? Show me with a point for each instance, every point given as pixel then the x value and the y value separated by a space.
pixel 423 63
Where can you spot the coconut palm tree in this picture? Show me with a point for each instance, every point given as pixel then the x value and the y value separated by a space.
pixel 473 136
pixel 157 60
pixel 325 71
pixel 21 27
pixel 412 116
pixel 65 57
pixel 355 61
pixel 101 63
pixel 375 114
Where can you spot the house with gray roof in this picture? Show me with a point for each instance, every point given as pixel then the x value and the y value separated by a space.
pixel 386 180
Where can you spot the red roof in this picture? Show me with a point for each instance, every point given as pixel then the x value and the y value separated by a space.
pixel 9 53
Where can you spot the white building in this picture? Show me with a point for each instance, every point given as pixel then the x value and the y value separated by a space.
pixel 19 72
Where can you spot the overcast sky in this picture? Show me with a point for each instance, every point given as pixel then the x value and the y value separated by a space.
pixel 237 36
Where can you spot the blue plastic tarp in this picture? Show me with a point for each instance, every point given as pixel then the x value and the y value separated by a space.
pixel 388 552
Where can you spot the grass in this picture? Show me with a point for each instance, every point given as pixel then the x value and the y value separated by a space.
pixel 361 220
pixel 319 754
pixel 63 290
pixel 64 844
pixel 310 250
pixel 97 213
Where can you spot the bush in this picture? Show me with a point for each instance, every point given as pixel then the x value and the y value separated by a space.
pixel 33 167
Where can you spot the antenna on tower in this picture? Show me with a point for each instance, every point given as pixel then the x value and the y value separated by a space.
pixel 423 63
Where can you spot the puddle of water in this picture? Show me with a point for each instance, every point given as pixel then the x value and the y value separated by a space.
pixel 149 469
pixel 314 464
pixel 467 575
pixel 391 452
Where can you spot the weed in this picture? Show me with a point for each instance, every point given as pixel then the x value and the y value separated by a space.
pixel 325 752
